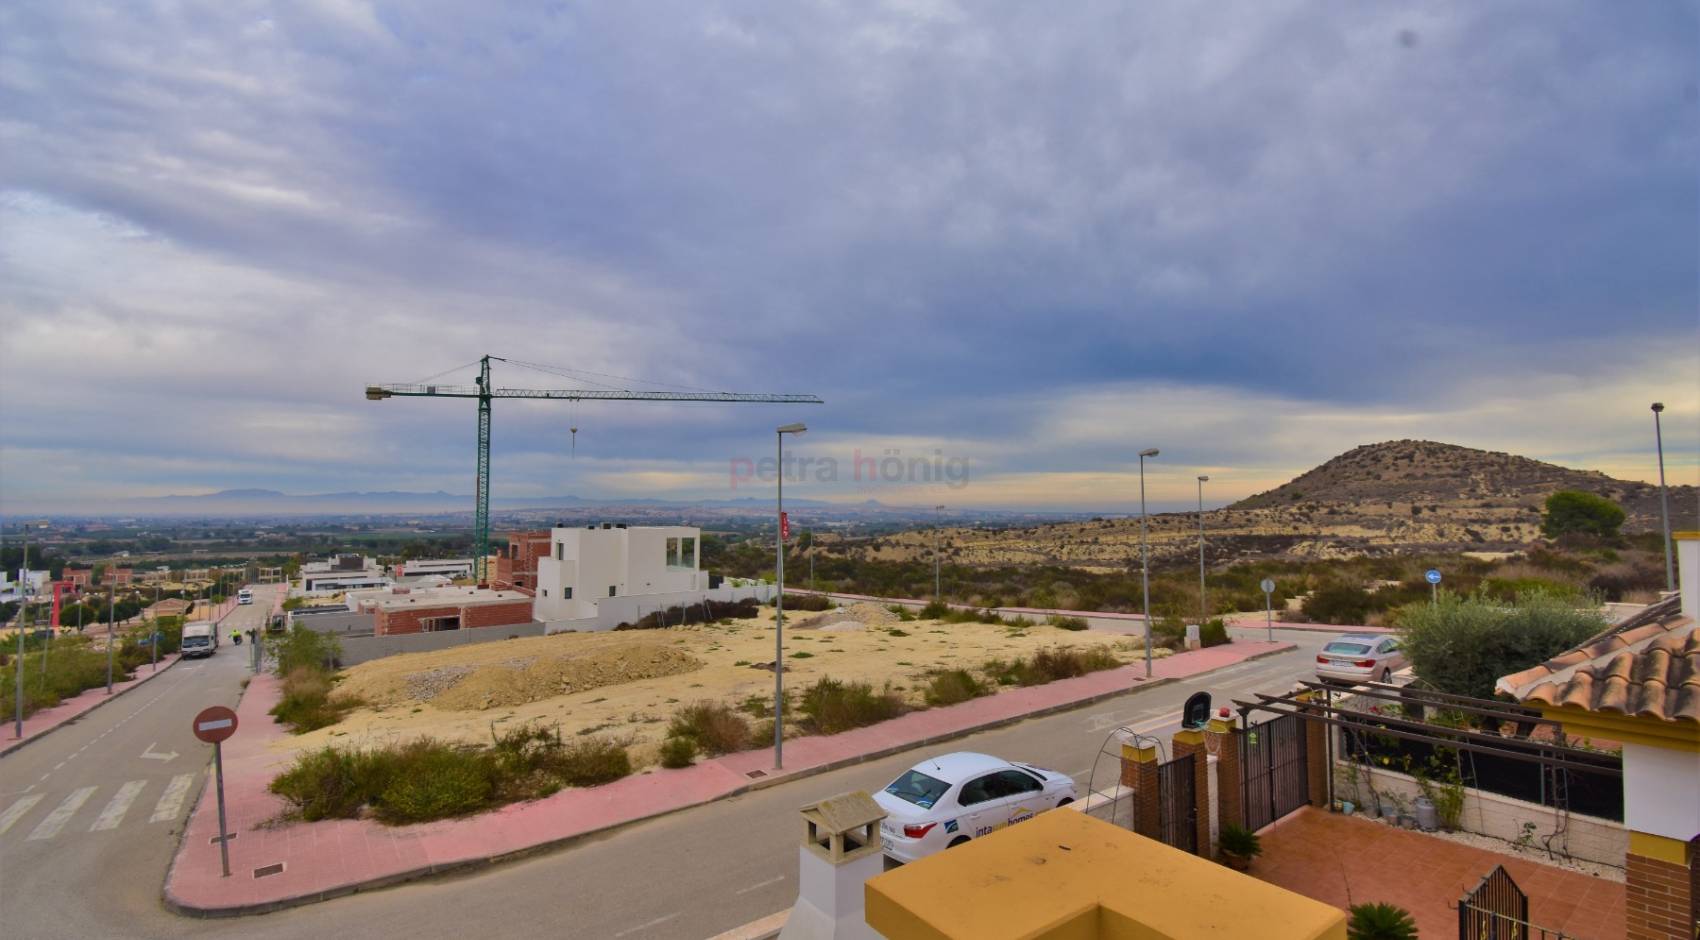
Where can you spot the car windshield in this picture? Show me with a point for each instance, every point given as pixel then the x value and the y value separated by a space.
pixel 918 788
pixel 1346 649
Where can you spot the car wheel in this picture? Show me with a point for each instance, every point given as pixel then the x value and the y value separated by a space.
pixel 1386 676
pixel 1065 801
pixel 956 842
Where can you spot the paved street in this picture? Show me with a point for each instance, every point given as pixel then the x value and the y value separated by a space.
pixel 689 875
pixel 89 813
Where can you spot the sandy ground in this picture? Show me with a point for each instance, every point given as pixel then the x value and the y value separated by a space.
pixel 628 684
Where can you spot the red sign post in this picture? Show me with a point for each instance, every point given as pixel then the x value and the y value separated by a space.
pixel 213 725
pixel 784 526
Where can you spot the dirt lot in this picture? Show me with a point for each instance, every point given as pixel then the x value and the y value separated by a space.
pixel 629 683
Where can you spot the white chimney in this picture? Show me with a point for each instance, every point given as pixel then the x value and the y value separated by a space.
pixel 840 851
pixel 1688 571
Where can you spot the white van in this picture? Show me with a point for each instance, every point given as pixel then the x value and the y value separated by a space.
pixel 245 596
pixel 199 639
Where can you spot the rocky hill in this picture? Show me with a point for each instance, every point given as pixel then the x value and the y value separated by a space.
pixel 1390 498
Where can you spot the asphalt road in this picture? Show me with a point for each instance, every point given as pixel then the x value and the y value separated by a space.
pixel 89 814
pixel 688 875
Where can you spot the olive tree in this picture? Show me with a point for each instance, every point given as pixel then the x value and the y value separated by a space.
pixel 1463 645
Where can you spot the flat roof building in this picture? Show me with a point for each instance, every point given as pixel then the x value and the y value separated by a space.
pixel 399 610
pixel 592 563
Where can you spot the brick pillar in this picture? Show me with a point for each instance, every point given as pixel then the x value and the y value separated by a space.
pixel 1316 756
pixel 1192 742
pixel 1659 889
pixel 1223 737
pixel 1139 774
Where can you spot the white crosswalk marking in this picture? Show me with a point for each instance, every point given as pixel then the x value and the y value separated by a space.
pixel 17 810
pixel 62 814
pixel 114 812
pixel 171 801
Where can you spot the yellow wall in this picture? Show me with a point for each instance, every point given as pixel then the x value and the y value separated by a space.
pixel 1067 876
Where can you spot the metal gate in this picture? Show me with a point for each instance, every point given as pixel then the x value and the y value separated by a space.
pixel 1498 910
pixel 1178 804
pixel 1272 764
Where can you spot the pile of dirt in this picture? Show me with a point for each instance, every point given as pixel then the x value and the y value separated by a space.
pixel 855 617
pixel 518 681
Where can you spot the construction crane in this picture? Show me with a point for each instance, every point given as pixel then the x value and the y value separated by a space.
pixel 486 393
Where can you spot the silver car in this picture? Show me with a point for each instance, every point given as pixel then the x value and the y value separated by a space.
pixel 1360 657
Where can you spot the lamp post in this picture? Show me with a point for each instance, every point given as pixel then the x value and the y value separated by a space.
pixel 938 594
pixel 1664 494
pixel 23 619
pixel 111 620
pixel 1203 608
pixel 779 602
pixel 1145 558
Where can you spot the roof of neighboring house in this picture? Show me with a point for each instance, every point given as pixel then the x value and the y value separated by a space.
pixel 1646 666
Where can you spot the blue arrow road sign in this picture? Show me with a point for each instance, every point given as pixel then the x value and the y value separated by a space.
pixel 1432 576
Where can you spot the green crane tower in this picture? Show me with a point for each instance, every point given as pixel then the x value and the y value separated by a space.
pixel 486 393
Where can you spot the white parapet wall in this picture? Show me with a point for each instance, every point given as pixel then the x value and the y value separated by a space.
pixel 609 612
pixel 1501 817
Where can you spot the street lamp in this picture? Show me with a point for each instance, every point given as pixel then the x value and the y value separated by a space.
pixel 779 603
pixel 1203 608
pixel 1145 557
pixel 938 594
pixel 1664 494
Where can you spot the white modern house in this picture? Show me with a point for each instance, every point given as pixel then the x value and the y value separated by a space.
pixel 343 573
pixel 596 577
pixel 447 567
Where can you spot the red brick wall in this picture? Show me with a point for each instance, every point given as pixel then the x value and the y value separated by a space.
pixel 516 566
pixel 1659 901
pixel 407 619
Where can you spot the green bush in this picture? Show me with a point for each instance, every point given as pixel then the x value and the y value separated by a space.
pixel 1463 645
pixel 1380 922
pixel 433 780
pixel 1573 512
pixel 714 728
pixel 1214 633
pixel 72 667
pixel 301 647
pixel 830 706
pixel 426 779
pixel 1238 840
pixel 307 703
pixel 1049 665
pixel 1345 604
pixel 678 752
pixel 1066 623
pixel 953 686
pixel 934 610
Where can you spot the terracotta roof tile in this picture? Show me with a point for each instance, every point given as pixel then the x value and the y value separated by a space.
pixel 1661 618
pixel 1659 681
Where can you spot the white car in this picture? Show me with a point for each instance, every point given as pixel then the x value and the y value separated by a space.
pixel 948 800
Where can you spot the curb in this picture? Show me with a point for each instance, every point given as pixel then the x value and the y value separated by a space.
pixel 459 866
pixel 85 712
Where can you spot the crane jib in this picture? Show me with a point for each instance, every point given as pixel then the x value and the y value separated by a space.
pixel 484 392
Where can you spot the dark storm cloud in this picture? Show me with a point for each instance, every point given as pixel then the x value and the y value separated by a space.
pixel 955 223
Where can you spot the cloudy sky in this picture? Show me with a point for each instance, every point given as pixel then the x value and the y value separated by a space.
pixel 1036 238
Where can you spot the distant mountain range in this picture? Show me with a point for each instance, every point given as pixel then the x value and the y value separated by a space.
pixel 263 502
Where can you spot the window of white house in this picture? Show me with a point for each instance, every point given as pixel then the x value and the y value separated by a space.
pixel 688 552
pixel 567 593
pixel 560 551
pixel 611 590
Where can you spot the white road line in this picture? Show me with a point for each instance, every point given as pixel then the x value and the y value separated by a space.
pixel 654 923
pixel 171 801
pixel 758 887
pixel 16 811
pixel 114 812
pixel 61 814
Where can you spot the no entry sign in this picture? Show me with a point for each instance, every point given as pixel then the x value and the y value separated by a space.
pixel 215 724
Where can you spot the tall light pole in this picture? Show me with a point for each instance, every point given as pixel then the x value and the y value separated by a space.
pixel 1203 608
pixel 938 594
pixel 1664 495
pixel 23 619
pixel 111 620
pixel 779 602
pixel 1145 557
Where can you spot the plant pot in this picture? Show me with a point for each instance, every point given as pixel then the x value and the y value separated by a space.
pixel 1235 861
pixel 1427 818
pixel 1347 807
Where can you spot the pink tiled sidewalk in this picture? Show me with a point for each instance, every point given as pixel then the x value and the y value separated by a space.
pixel 326 859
